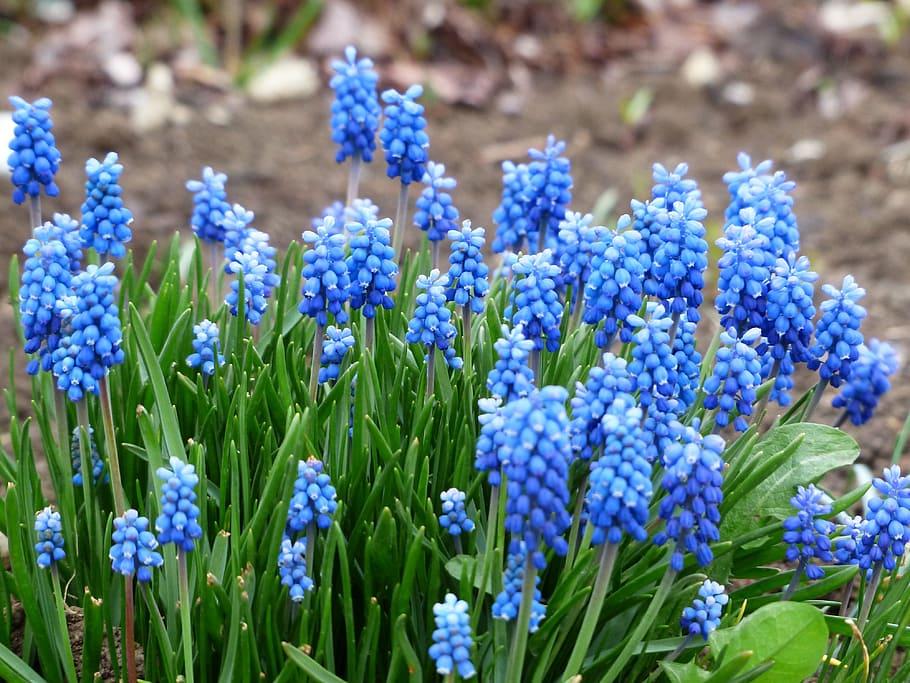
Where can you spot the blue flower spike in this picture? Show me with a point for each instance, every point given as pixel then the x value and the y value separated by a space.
pixel 681 258
pixel 372 269
pixel 454 518
pixel 654 365
pixel 605 383
pixel 431 326
pixel 703 616
pixel 451 648
pixel 550 187
pixel 355 109
pixel 869 381
pixel 508 602
pixel 292 568
pixel 255 268
pixel 534 302
pixel 49 530
pixel 178 521
pixel 34 158
pixel 134 549
pixel 313 502
pixel 209 205
pixel 511 216
pixel 327 282
pixel 577 241
pixel 744 272
pixel 807 534
pixel 105 220
pixel 435 213
pixel 206 348
pixel 511 377
pixel 237 224
pixel 76 456
pixel 733 383
pixel 468 285
pixel 335 346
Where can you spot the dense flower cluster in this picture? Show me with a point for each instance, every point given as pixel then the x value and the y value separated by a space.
pixel 508 602
pixel 688 365
pixel 806 533
pixel 237 223
pixel 355 110
pixel 837 339
pixel 735 379
pixel 869 381
pixel 653 365
pixel 313 501
pixel 34 158
pixel 703 615
pixel 681 258
pixel 105 220
pixel 49 530
pixel 451 648
pixel 326 281
pixel 454 519
pixel 76 456
pixel 209 205
pixel 744 269
pixel 177 523
pixel 134 549
pixel 511 216
pixel 886 526
pixel 206 348
pixel 67 231
pixel 436 215
pixel 292 569
pixel 371 266
pixel 431 326
pixel 592 399
pixel 467 279
pixel 335 346
pixel 258 281
pixel 511 377
pixel 403 135
pixel 534 301
pixel 549 192
pixel 575 245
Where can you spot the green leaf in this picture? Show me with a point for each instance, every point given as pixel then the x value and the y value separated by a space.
pixel 821 450
pixel 684 673
pixel 14 669
pixel 792 635
pixel 310 666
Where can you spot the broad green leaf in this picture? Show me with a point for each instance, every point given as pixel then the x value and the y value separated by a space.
pixel 684 673
pixel 310 666
pixel 14 669
pixel 792 635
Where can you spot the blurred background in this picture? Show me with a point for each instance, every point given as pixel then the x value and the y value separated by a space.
pixel 822 88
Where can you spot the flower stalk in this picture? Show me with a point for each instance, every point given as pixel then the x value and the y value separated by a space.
pixel 607 558
pixel 520 644
pixel 186 629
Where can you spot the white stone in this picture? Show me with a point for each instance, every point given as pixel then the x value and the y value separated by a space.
pixel 701 68
pixel 809 149
pixel 123 69
pixel 289 78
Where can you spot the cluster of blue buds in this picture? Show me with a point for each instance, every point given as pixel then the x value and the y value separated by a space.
pixel 491 437
pixel 468 284
pixel 549 191
pixel 511 216
pixel 653 365
pixel 355 111
pixel 744 270
pixel 534 300
pixel 592 400
pixel 511 377
pixel 46 280
pixel 292 568
pixel 693 476
pixel 206 348
pixel 90 344
pixel 681 258
pixel 371 265
pixel 76 456
pixel 134 550
pixel 575 245
pixel 535 456
pixel 335 346
pixel 869 381
pixel 177 523
pixel 454 519
pixel 250 267
pixel 620 490
pixel 436 215
pixel 735 379
pixel 313 501
pixel 237 223
pixel 806 533
pixel 326 281
pixel 688 365
pixel 49 529
pixel 67 230
pixel 508 602
pixel 451 648
pixel 431 326
pixel 105 220
pixel 613 290
pixel 886 526
pixel 403 135
pixel 837 339
pixel 702 617
pixel 34 158
pixel 209 205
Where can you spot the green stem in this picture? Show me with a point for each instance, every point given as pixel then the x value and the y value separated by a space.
pixel 353 179
pixel 34 210
pixel 608 552
pixel 434 254
pixel 466 339
pixel 520 644
pixel 310 548
pixel 794 581
pixel 110 438
pixel 85 466
pixel 67 651
pixel 642 626
pixel 456 541
pixel 431 370
pixel 816 399
pixel 534 364
pixel 129 627
pixel 316 362
pixel 401 215
pixel 486 560
pixel 869 596
pixel 184 587
pixel 576 522
pixel 763 404
pixel 370 326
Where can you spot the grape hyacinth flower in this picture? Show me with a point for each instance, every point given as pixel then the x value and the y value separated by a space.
pixel 431 326
pixel 66 229
pixel 688 365
pixel 837 337
pixel 451 648
pixel 511 377
pixel 550 185
pixel 34 158
pixel 435 213
pixel 237 224
pixel 334 210
pixel 76 457
pixel 467 280
pixel 491 437
pixel 592 399
pixel 403 135
pixel 206 348
pixel 90 343
pixel 209 205
pixel 807 535
pixel 743 274
pixel 326 280
pixel 177 522
pixel 359 211
pixel 735 379
pixel 886 527
pixel 335 347
pixel 702 617
pixel 46 280
pixel 252 268
pixel 49 529
pixel 508 602
pixel 681 258
pixel 355 110
pixel 653 365
pixel 511 216
pixel 105 220
pixel 534 302
pixel 134 549
pixel 693 476
pixel 869 381
pixel 292 568
pixel 372 269
pixel 454 519
pixel 313 501
pixel 613 290
pixel 576 242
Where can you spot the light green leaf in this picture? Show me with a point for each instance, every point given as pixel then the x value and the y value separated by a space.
pixel 684 673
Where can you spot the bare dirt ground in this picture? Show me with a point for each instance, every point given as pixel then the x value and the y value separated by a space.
pixel 832 112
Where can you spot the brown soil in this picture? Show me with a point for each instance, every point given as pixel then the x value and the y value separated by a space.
pixel 851 202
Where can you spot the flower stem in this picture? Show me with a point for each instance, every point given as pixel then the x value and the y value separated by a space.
pixel 642 626
pixel 520 644
pixel 65 646
pixel 370 327
pixel 316 362
pixel 794 582
pixel 840 420
pixel 869 596
pixel 431 370
pixel 353 179
pixel 184 587
pixel 486 560
pixel 608 552
pixel 816 399
pixel 129 627
pixel 85 467
pixel 760 408
pixel 401 215
pixel 107 416
pixel 34 210
pixel 310 548
pixel 213 256
pixel 534 364
pixel 576 522
pixel 456 540
pixel 434 254
pixel 466 335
